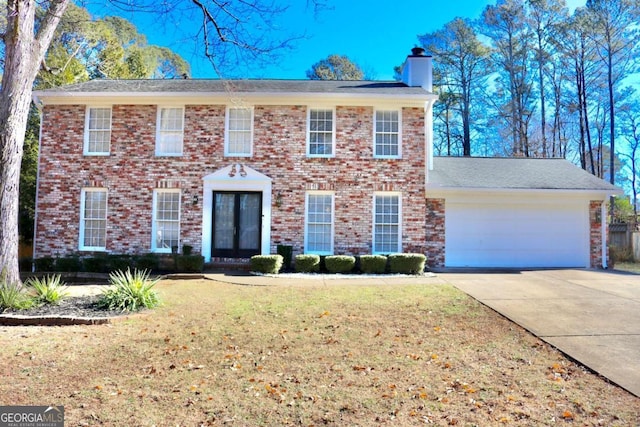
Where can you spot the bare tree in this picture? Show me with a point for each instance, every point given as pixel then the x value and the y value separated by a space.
pixel 464 62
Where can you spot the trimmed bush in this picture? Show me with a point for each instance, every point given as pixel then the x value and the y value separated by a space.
pixel 148 261
pixel 307 263
pixel 68 264
pixel 287 255
pixel 407 263
pixel 44 264
pixel 339 263
pixel 189 263
pixel 130 291
pixel 48 289
pixel 268 264
pixel 373 264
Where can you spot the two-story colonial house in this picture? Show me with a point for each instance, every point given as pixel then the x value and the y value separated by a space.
pixel 234 168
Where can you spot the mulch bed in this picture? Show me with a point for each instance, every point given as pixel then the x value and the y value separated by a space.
pixel 70 311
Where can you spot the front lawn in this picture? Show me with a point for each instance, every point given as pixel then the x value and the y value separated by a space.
pixel 222 354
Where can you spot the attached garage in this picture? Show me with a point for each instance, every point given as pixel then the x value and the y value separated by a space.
pixel 517 212
pixel 502 232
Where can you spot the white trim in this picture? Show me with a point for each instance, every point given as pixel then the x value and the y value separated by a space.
pixel 373 220
pixel 333 131
pixel 229 178
pixel 375 132
pixel 158 153
pixel 87 115
pixel 306 221
pixel 81 236
pixel 226 132
pixel 154 212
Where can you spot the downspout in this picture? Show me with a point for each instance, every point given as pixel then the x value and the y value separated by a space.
pixel 603 231
pixel 428 139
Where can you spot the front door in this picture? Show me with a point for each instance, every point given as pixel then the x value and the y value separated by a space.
pixel 237 222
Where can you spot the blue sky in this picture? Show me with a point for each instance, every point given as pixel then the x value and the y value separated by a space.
pixel 376 35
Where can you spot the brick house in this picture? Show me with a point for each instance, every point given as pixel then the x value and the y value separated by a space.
pixel 235 168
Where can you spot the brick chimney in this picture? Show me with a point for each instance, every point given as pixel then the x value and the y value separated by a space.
pixel 417 70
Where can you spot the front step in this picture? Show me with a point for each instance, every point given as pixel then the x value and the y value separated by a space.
pixel 218 264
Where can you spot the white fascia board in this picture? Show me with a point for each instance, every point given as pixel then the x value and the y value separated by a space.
pixel 214 98
pixel 437 192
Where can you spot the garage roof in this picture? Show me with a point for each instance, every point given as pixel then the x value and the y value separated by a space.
pixel 513 173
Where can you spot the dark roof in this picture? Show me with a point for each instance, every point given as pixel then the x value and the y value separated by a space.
pixel 513 173
pixel 242 86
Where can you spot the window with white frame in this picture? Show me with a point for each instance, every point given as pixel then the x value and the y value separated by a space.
pixel 166 220
pixel 387 214
pixel 170 130
pixel 321 133
pixel 93 219
pixel 319 224
pixel 239 132
pixel 387 133
pixel 97 131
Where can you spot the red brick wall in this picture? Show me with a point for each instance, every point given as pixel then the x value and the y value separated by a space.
pixel 435 232
pixel 595 234
pixel 132 171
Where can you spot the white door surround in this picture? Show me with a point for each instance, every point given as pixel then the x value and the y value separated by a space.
pixel 235 177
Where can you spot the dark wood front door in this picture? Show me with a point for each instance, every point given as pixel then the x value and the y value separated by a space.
pixel 237 224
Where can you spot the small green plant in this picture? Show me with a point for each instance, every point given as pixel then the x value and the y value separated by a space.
pixel 339 263
pixel 12 296
pixel 407 263
pixel 268 264
pixel 48 289
pixel 307 263
pixel 373 264
pixel 130 291
pixel 189 263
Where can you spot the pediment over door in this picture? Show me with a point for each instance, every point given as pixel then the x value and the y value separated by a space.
pixel 237 173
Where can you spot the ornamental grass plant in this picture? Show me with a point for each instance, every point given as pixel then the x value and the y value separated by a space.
pixel 130 291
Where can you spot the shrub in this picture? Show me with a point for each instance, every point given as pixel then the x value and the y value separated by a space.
pixel 25 264
pixel 68 264
pixel 148 261
pixel 187 250
pixel 44 263
pixel 407 263
pixel 119 262
pixel 307 263
pixel 189 263
pixel 339 263
pixel 269 264
pixel 48 289
pixel 287 255
pixel 129 291
pixel 373 264
pixel 12 295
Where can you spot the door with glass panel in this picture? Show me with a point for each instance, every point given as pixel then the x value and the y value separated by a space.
pixel 237 224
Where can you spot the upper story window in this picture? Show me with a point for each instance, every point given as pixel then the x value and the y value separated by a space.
pixel 239 132
pixel 321 133
pixel 97 131
pixel 387 223
pixel 387 134
pixel 93 219
pixel 170 130
pixel 166 220
pixel 318 236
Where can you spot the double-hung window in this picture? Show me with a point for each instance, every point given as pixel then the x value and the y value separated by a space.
pixel 239 132
pixel 321 133
pixel 387 134
pixel 97 131
pixel 93 219
pixel 387 227
pixel 318 237
pixel 166 220
pixel 169 131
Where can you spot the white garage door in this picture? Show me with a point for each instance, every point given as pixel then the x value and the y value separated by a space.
pixel 503 234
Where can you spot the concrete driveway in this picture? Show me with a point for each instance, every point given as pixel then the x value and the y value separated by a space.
pixel 593 316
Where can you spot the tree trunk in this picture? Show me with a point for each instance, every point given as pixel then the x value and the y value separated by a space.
pixel 24 51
